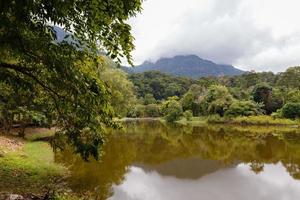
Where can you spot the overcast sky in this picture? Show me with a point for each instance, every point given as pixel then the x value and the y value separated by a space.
pixel 263 35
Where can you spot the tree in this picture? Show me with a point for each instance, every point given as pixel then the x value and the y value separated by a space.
pixel 152 110
pixel 262 93
pixel 188 101
pixel 171 110
pixel 243 108
pixel 291 110
pixel 293 96
pixel 122 97
pixel 271 98
pixel 290 78
pixel 149 99
pixel 64 74
pixel 188 115
pixel 160 85
pixel 217 100
pixel 173 89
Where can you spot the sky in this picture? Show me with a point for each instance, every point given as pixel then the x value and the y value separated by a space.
pixel 260 35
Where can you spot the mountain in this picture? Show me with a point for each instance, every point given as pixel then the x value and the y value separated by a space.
pixel 63 36
pixel 60 34
pixel 188 66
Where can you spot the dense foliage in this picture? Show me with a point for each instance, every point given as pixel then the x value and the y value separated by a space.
pixel 171 110
pixel 243 95
pixel 160 85
pixel 122 97
pixel 243 108
pixel 291 110
pixel 59 81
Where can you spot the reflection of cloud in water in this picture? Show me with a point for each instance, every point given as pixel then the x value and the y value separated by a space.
pixel 227 184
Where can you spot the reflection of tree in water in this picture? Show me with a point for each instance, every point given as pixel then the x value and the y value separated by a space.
pixel 96 177
pixel 256 167
pixel 153 144
pixel 293 169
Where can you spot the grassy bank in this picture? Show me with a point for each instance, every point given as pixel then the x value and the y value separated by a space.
pixel 261 120
pixel 28 167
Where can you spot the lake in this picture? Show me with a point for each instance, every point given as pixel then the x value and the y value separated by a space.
pixel 155 161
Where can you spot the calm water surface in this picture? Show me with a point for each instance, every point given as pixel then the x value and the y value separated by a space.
pixel 152 161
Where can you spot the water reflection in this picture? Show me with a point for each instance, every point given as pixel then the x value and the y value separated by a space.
pixel 190 168
pixel 227 184
pixel 170 161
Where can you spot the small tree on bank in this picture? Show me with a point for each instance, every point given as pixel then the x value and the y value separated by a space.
pixel 172 110
pixel 291 110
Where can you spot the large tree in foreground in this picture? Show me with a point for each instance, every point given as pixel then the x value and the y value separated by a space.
pixel 60 80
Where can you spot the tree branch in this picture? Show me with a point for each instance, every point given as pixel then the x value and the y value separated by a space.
pixel 27 72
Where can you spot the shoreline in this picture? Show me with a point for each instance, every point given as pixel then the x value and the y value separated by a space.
pixel 239 121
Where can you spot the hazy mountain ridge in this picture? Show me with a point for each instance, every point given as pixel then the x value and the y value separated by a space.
pixel 188 66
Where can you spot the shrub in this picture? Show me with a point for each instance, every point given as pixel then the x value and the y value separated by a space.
pixel 171 110
pixel 216 119
pixel 291 110
pixel 277 114
pixel 188 114
pixel 243 108
pixel 152 110
pixel 137 111
pixel 262 120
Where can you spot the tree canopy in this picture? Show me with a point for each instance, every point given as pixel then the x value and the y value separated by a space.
pixel 60 79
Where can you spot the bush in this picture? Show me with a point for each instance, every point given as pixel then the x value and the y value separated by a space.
pixel 188 115
pixel 171 110
pixel 152 110
pixel 262 120
pixel 277 114
pixel 216 119
pixel 137 111
pixel 291 110
pixel 243 108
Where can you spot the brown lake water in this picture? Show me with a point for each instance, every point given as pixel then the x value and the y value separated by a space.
pixel 154 161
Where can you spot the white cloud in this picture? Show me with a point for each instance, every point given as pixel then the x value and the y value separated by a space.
pixel 251 34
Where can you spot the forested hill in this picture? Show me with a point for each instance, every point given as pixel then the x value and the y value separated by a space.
pixel 188 66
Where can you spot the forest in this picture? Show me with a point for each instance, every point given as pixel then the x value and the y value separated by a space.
pixel 249 94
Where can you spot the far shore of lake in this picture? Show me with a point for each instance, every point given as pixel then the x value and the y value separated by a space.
pixel 261 120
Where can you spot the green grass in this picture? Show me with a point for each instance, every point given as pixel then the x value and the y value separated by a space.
pixel 39 134
pixel 193 121
pixel 254 120
pixel 261 120
pixel 30 169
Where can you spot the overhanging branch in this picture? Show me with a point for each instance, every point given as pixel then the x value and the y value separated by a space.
pixel 27 72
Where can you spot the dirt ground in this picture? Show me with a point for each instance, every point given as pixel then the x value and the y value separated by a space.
pixel 8 143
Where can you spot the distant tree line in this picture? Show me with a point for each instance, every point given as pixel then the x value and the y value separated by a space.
pixel 248 94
